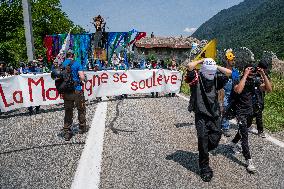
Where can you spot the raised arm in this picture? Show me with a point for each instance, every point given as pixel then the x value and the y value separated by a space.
pixel 240 87
pixel 225 71
pixel 191 65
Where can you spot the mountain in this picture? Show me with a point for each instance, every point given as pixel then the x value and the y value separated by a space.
pixel 255 24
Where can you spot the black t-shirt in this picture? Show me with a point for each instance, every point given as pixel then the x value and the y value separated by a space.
pixel 243 101
pixel 204 96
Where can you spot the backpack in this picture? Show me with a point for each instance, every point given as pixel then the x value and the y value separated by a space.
pixel 65 83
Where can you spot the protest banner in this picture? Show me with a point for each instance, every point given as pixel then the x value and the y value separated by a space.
pixel 32 90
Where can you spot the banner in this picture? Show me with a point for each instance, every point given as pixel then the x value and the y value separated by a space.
pixel 32 90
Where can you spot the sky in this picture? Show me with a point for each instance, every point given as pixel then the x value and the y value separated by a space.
pixel 162 17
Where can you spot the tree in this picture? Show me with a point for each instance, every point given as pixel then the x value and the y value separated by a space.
pixel 47 18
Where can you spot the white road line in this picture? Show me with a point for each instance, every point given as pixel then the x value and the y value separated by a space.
pixel 87 175
pixel 268 137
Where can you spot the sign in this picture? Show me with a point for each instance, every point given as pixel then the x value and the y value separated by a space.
pixel 32 90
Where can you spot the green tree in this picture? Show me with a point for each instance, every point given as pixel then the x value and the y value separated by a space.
pixel 47 18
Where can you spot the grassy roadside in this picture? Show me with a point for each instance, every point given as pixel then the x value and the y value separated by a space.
pixel 273 115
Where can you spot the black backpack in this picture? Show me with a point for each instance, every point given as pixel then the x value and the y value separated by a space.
pixel 65 83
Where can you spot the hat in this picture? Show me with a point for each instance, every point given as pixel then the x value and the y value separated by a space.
pixel 208 68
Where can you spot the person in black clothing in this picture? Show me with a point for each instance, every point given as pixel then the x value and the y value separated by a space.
pixel 258 101
pixel 204 85
pixel 243 107
pixel 2 68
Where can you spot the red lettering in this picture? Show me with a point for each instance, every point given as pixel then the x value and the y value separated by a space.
pixel 159 79
pixel 90 88
pixel 148 83
pixel 154 78
pixel 173 79
pixel 143 84
pixel 123 76
pixel 134 86
pixel 115 76
pixel 20 100
pixel 4 98
pixel 167 78
pixel 96 78
pixel 41 81
pixel 104 78
pixel 48 94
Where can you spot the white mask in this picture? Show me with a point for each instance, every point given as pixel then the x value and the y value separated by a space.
pixel 208 68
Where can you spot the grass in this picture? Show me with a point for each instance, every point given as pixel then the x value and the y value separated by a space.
pixel 273 114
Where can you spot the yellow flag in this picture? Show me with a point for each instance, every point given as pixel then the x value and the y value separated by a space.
pixel 209 51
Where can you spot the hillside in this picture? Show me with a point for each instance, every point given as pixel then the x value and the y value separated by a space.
pixel 256 24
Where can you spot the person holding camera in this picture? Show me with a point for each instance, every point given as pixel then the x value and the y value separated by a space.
pixel 74 97
pixel 243 108
pixel 204 85
pixel 258 100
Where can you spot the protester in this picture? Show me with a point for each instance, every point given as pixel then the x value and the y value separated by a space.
pixel 54 65
pixel 2 68
pixel 243 108
pixel 34 69
pixel 230 58
pixel 23 69
pixel 76 96
pixel 204 85
pixel 173 67
pixel 258 101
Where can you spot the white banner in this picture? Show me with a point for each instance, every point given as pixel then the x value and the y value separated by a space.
pixel 32 90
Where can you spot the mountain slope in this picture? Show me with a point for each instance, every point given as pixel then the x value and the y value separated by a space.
pixel 256 24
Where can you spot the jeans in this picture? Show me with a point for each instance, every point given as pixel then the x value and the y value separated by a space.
pixel 227 88
pixel 259 122
pixel 242 135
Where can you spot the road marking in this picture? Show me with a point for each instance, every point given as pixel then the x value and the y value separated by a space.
pixel 253 130
pixel 87 175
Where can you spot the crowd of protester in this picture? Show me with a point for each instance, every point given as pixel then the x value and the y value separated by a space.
pixel 38 66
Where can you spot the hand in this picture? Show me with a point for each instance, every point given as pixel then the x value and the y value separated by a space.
pixel 248 71
pixel 260 71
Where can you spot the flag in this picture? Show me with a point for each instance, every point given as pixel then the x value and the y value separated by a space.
pixel 209 51
pixel 62 53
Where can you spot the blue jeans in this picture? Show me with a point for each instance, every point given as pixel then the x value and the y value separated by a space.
pixel 227 88
pixel 225 122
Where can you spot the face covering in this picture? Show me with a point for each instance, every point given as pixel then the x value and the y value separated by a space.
pixel 208 68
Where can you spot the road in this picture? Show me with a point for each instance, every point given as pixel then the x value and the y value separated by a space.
pixel 143 142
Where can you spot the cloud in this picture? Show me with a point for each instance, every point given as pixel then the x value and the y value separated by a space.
pixel 190 30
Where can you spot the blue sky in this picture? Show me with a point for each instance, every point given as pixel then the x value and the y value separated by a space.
pixel 163 17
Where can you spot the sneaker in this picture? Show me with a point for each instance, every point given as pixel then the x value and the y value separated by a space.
pixel 261 134
pixel 250 166
pixel 236 148
pixel 226 133
pixel 67 135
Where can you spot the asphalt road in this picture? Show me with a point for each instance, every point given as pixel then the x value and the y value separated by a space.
pixel 148 143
